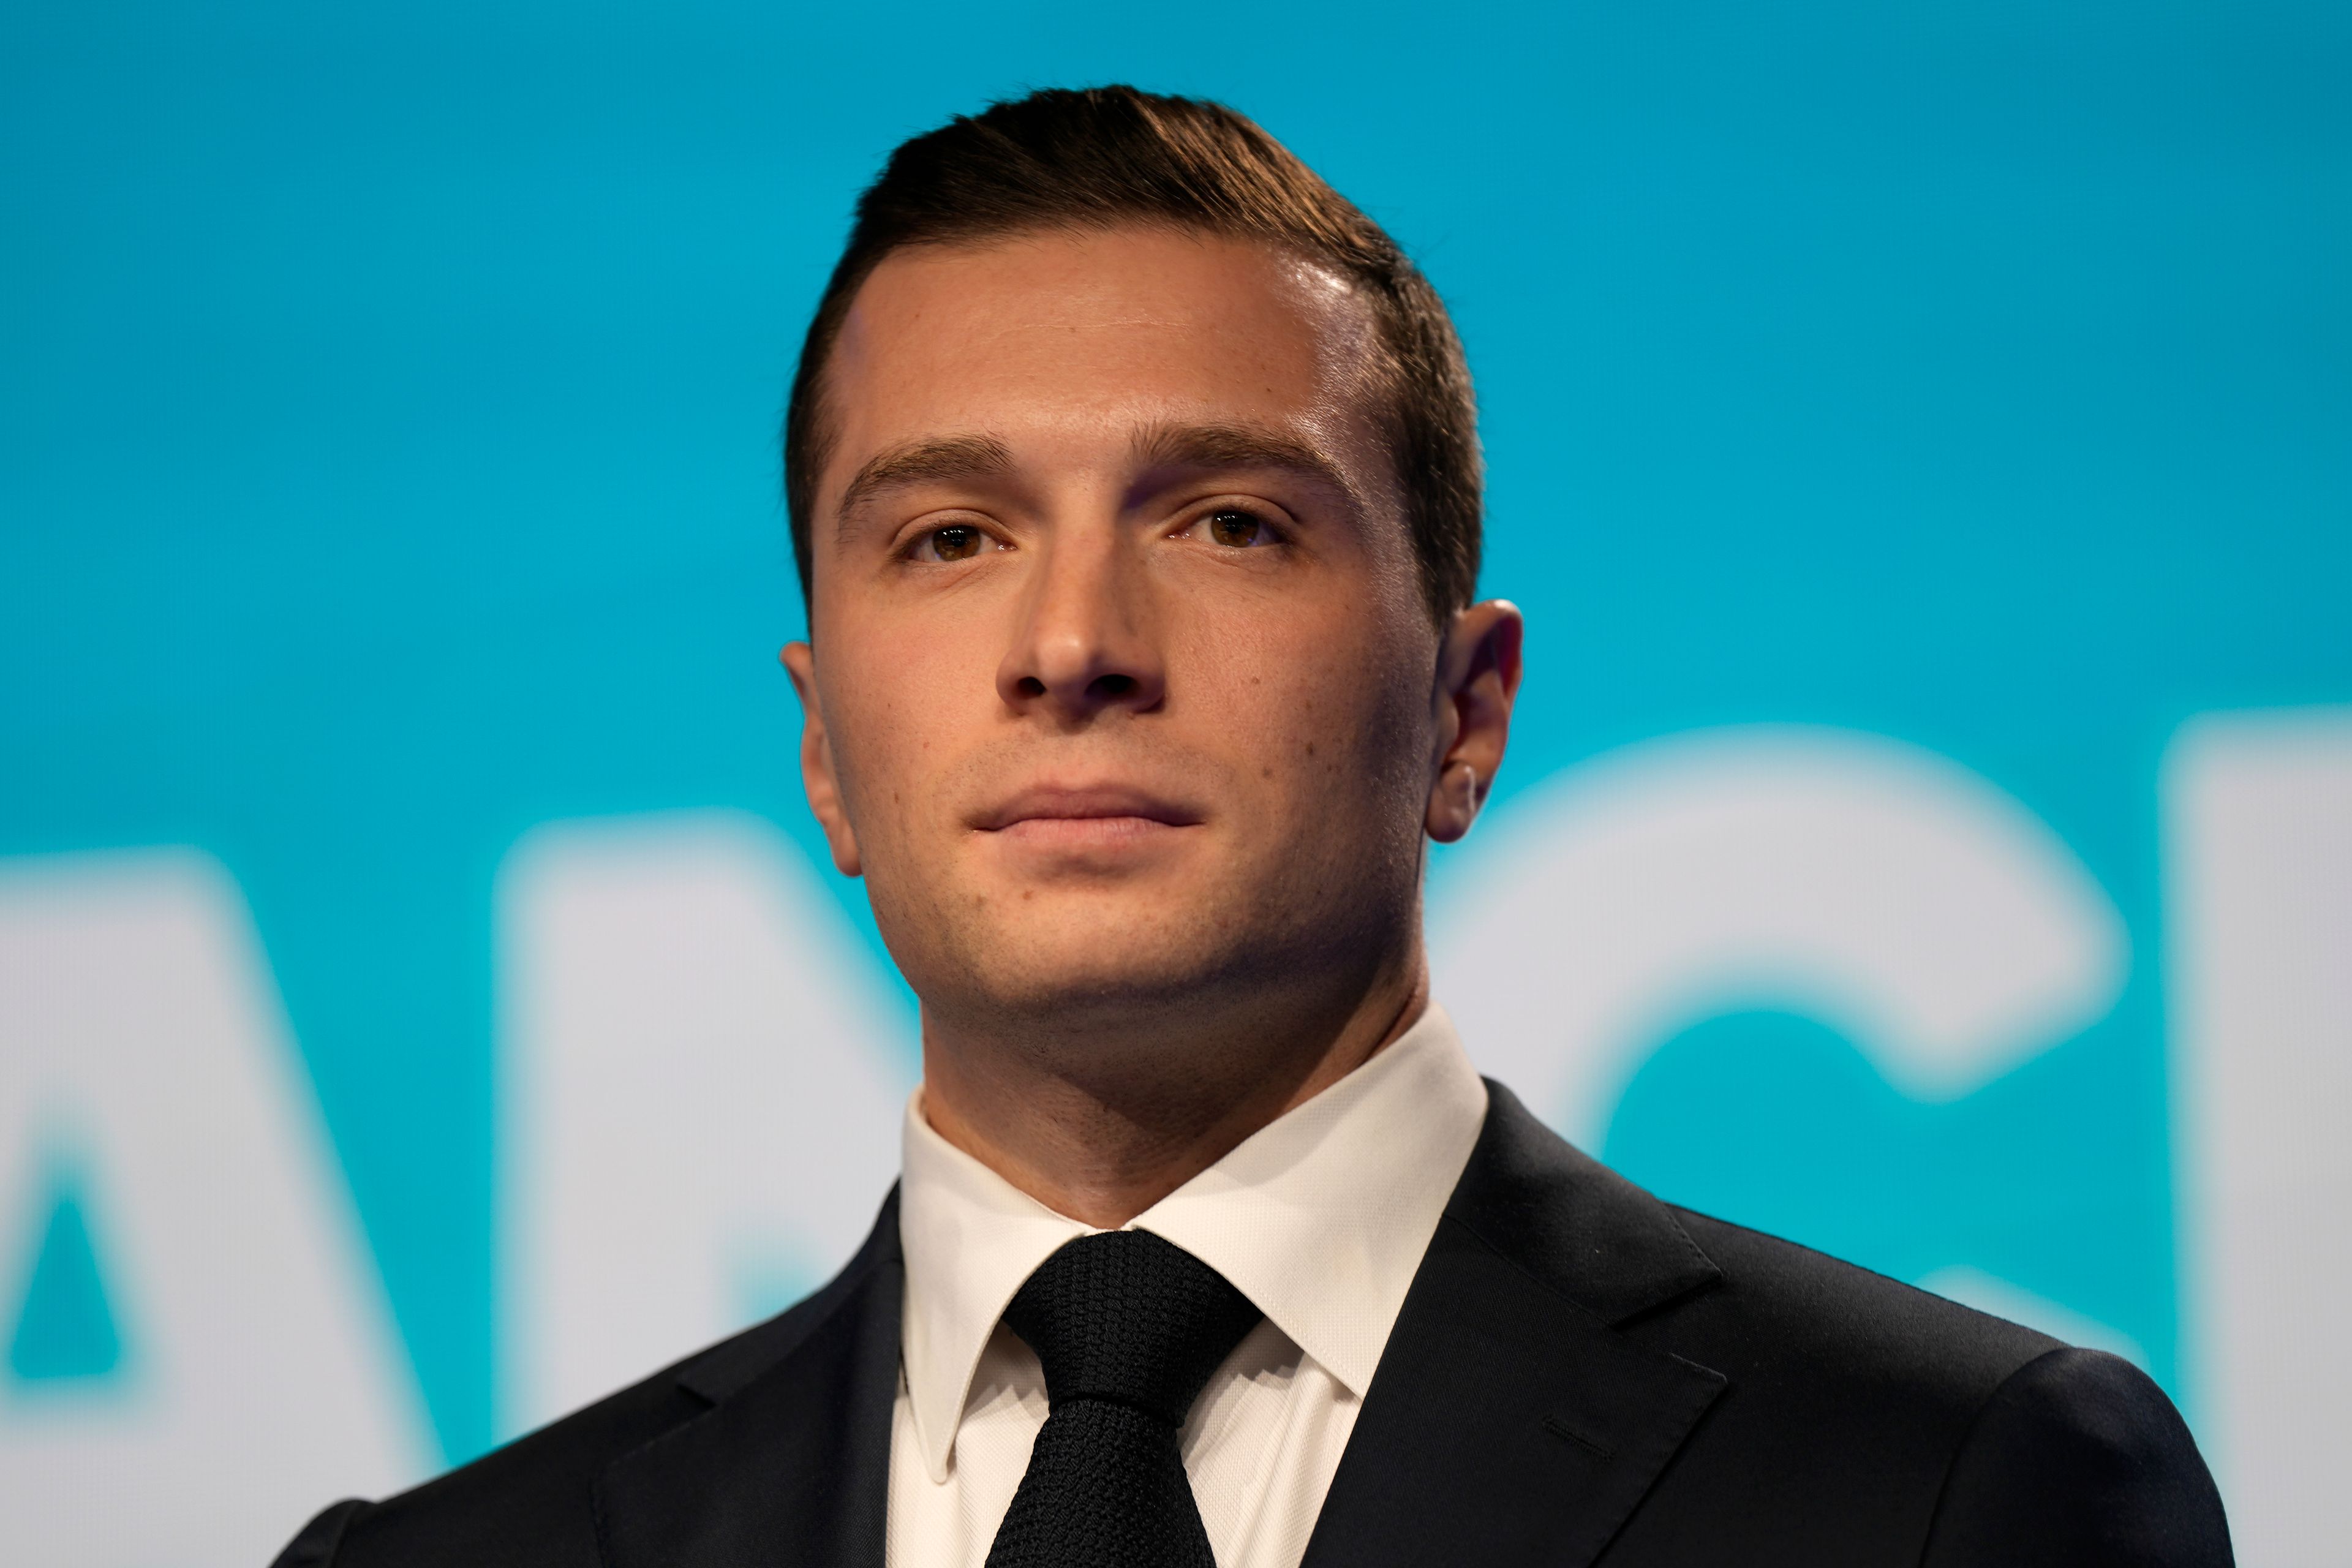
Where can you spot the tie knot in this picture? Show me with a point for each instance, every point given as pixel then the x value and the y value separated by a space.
pixel 1128 1317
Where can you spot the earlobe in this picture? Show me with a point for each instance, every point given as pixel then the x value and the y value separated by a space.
pixel 1478 681
pixel 819 779
pixel 1454 802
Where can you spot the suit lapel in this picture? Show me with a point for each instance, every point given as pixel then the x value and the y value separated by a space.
pixel 1509 1423
pixel 790 1466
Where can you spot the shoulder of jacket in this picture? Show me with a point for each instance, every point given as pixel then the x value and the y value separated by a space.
pixel 2078 1458
pixel 530 1501
pixel 1805 1304
pixel 315 1545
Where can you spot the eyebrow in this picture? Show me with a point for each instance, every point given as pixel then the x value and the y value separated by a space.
pixel 1240 447
pixel 945 459
pixel 940 460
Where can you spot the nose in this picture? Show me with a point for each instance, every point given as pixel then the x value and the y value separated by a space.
pixel 1087 643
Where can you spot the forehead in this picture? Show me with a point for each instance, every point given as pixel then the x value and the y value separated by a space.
pixel 1058 339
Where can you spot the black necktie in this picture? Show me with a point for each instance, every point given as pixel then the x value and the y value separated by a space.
pixel 1129 1327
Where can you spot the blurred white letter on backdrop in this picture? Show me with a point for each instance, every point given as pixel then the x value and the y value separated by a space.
pixel 199 1352
pixel 2258 856
pixel 1870 884
pixel 698 1095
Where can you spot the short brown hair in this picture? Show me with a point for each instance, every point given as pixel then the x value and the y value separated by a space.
pixel 1060 159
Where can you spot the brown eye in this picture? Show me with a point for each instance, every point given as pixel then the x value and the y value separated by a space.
pixel 1237 530
pixel 957 541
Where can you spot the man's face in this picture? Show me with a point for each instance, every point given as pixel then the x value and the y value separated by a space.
pixel 1121 681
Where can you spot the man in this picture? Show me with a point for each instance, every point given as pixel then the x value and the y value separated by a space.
pixel 1135 493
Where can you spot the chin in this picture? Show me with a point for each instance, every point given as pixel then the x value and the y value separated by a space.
pixel 1114 954
pixel 1095 957
pixel 1112 964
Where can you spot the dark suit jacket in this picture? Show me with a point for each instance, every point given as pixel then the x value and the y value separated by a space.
pixel 1581 1374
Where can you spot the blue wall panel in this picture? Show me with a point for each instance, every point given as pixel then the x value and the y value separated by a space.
pixel 386 405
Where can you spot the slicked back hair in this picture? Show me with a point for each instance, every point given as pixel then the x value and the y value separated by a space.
pixel 1080 161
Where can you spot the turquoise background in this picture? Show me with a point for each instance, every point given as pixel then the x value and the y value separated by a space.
pixel 385 412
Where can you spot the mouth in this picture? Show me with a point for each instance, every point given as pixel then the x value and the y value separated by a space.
pixel 1074 815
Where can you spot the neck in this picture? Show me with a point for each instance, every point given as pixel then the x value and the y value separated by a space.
pixel 1102 1121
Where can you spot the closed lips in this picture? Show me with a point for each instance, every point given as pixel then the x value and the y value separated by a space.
pixel 1104 802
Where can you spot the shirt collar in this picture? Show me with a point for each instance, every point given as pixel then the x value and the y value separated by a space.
pixel 1320 1218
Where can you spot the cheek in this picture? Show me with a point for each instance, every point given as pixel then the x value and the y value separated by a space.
pixel 884 717
pixel 1329 711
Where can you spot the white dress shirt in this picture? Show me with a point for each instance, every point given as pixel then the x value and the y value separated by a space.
pixel 1320 1218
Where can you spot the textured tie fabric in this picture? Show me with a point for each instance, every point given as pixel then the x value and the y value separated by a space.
pixel 1128 1327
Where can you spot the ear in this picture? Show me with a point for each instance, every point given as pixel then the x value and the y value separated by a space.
pixel 817 775
pixel 1477 680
